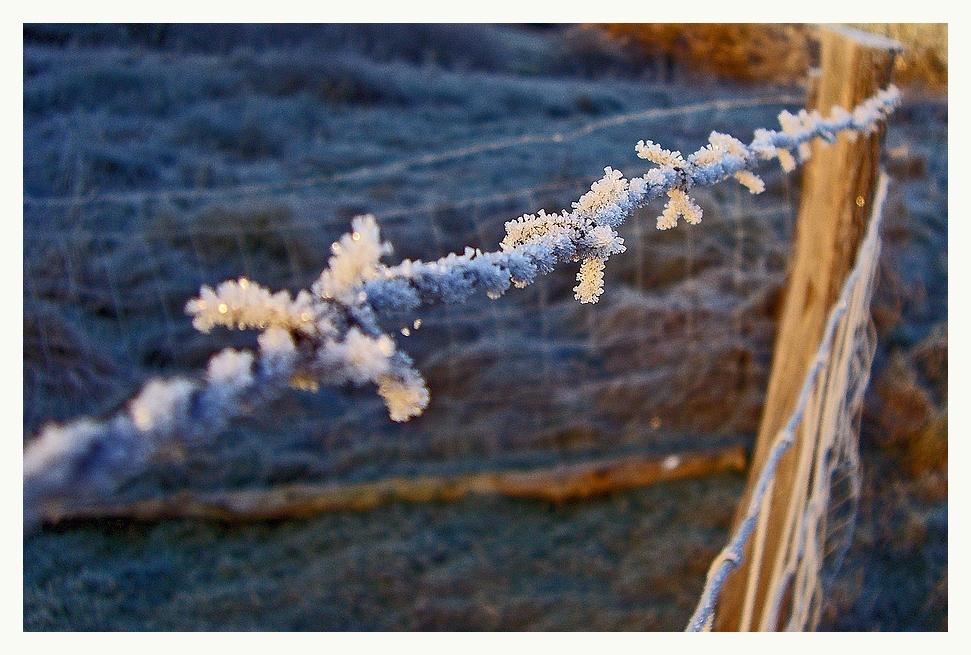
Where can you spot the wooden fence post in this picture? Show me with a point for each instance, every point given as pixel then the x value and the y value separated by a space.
pixel 838 185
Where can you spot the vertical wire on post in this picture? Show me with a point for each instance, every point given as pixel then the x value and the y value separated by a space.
pixel 829 228
pixel 843 354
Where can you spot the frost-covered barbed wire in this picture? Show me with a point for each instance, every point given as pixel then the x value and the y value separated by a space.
pixel 330 335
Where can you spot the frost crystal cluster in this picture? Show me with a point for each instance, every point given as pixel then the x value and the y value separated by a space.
pixel 330 334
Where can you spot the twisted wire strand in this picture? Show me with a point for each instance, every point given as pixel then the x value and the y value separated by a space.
pixel 331 335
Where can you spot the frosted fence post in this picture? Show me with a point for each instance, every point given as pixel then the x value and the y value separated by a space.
pixel 838 185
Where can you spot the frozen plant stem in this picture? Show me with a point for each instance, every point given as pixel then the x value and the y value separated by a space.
pixel 330 334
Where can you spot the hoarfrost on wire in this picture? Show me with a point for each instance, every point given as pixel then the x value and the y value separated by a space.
pixel 330 335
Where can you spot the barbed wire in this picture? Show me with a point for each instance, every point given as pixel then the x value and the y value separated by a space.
pixel 331 337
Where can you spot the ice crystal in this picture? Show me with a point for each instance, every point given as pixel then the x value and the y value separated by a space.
pixel 405 395
pixel 242 304
pixel 591 280
pixel 655 153
pixel 607 202
pixel 159 403
pixel 355 261
pixel 750 181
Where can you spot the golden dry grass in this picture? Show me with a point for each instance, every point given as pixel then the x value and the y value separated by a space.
pixel 924 60
pixel 782 52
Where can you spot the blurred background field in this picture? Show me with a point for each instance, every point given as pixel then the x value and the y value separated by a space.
pixel 158 158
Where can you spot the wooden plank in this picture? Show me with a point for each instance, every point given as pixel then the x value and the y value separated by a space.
pixel 555 484
pixel 838 185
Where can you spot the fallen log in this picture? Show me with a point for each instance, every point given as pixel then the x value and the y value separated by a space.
pixel 554 484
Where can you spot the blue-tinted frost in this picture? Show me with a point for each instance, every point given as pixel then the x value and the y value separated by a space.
pixel 329 335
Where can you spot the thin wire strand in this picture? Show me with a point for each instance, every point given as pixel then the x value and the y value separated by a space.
pixel 853 308
pixel 366 172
